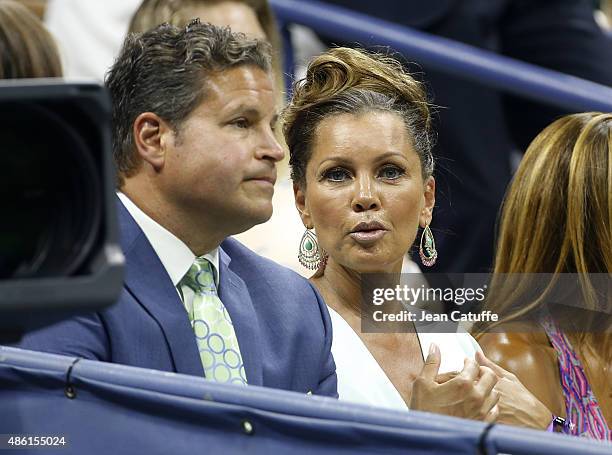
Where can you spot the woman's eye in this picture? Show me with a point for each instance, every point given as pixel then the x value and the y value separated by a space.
pixel 391 172
pixel 336 175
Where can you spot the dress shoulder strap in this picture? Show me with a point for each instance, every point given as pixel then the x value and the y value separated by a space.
pixel 582 409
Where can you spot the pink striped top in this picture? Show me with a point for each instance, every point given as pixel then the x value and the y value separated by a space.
pixel 581 406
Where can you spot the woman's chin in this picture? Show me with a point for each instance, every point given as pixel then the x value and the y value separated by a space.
pixel 375 263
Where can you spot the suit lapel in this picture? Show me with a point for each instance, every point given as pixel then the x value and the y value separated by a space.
pixel 234 294
pixel 149 283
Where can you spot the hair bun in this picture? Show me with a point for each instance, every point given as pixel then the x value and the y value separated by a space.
pixel 342 68
pixel 326 77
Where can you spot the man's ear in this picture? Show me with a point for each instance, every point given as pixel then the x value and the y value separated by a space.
pixel 301 205
pixel 151 135
pixel 429 196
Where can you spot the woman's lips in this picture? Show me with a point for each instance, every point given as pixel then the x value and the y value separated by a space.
pixel 368 237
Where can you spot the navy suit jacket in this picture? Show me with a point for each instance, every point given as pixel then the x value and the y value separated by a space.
pixel 281 322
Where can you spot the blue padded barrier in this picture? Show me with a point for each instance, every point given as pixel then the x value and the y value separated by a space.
pixel 121 409
pixel 449 56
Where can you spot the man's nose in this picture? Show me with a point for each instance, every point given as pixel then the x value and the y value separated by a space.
pixel 270 148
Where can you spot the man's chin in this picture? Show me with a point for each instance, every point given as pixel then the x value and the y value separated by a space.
pixel 250 218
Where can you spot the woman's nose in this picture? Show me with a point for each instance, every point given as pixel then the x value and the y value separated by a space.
pixel 365 197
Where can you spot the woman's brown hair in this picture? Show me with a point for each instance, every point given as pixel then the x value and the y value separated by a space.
pixel 27 49
pixel 344 80
pixel 557 218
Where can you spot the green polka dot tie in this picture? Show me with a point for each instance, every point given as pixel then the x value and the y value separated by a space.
pixel 214 331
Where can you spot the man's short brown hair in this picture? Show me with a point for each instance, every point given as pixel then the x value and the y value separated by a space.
pixel 164 71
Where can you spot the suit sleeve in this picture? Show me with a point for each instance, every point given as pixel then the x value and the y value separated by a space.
pixel 328 382
pixel 81 336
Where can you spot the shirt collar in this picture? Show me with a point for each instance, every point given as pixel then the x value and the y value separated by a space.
pixel 175 256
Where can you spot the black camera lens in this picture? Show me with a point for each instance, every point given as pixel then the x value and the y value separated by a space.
pixel 50 194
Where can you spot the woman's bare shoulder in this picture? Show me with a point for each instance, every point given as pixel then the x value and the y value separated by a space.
pixel 524 349
pixel 517 345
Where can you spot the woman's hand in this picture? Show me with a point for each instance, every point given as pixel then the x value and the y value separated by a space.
pixel 517 405
pixel 470 394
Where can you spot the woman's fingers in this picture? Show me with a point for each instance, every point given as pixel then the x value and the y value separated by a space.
pixel 469 394
pixel 492 415
pixel 432 363
pixel 485 362
pixel 470 371
pixel 444 377
pixel 488 380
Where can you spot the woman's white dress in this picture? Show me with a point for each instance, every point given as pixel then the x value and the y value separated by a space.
pixel 362 380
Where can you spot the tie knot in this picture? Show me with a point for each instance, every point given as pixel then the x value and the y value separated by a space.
pixel 200 276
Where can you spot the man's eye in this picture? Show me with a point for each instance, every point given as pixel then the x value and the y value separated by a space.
pixel 241 123
pixel 391 172
pixel 336 175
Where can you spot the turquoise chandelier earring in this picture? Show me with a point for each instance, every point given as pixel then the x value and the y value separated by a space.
pixel 310 254
pixel 427 247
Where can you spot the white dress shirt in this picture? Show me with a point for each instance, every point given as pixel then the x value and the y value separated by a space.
pixel 175 256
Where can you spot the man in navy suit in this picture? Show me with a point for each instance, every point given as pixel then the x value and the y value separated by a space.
pixel 193 118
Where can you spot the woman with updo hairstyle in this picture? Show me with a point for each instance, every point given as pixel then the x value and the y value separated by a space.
pixel 358 128
pixel 551 282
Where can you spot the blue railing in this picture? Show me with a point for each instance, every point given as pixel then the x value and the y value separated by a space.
pixel 448 56
pixel 102 408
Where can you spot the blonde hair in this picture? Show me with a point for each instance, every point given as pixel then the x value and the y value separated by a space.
pixel 557 218
pixel 27 48
pixel 152 13
pixel 606 7
pixel 344 80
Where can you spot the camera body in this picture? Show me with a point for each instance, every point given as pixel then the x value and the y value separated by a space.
pixel 59 249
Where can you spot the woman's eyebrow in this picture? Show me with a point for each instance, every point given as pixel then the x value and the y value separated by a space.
pixel 386 155
pixel 337 159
